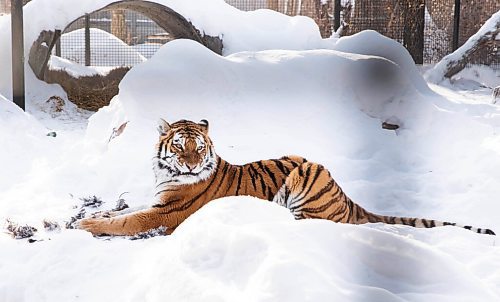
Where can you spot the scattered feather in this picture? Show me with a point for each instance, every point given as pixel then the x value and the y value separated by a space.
pixel 160 231
pixel 20 231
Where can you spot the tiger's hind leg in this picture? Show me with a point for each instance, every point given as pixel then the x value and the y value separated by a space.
pixel 309 191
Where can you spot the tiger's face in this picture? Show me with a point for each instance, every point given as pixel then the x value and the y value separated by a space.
pixel 185 154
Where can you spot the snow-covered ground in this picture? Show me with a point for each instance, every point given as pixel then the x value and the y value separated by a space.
pixel 325 104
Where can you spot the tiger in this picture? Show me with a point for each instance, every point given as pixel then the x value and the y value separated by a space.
pixel 189 174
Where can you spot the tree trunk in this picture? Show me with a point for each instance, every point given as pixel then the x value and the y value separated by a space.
pixel 118 25
pixel 292 7
pixel 273 4
pixel 486 41
pixel 325 21
pixel 413 35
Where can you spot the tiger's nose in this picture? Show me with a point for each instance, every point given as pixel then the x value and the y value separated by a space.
pixel 190 166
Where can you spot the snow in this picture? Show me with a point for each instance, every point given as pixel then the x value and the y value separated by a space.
pixel 147 49
pixel 105 49
pixel 369 42
pixel 77 69
pixel 326 103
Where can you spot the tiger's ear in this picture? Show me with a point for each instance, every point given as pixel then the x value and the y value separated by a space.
pixel 163 127
pixel 204 125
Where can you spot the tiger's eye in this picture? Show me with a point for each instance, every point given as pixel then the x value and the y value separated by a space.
pixel 200 148
pixel 178 146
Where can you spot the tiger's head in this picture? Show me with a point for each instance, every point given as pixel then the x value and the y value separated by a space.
pixel 185 153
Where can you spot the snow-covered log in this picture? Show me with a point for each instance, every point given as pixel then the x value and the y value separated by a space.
pixel 453 63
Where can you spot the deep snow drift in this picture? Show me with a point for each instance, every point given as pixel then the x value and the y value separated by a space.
pixel 326 105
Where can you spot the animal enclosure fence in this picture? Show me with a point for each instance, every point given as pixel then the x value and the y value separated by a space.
pixel 111 38
pixel 429 29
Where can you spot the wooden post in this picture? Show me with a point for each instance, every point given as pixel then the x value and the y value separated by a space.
pixel 18 89
pixel 87 40
pixel 58 43
pixel 456 25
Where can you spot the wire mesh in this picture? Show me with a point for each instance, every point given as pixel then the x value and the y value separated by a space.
pixel 320 11
pixel 473 15
pixel 439 29
pixel 389 17
pixel 117 38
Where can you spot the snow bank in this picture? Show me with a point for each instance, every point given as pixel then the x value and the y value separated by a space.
pixel 369 42
pixel 244 249
pixel 18 154
pixel 256 76
pixel 483 76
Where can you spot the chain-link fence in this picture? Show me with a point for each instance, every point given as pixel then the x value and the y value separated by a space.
pixel 115 38
pixel 424 27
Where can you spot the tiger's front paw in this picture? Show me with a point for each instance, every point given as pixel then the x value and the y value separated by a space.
pixel 96 226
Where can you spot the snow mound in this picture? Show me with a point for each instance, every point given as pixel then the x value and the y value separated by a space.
pixel 18 154
pixel 246 76
pixel 105 49
pixel 369 42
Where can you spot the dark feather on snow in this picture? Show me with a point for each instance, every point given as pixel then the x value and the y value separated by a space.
pixel 20 231
pixel 91 201
pixel 160 231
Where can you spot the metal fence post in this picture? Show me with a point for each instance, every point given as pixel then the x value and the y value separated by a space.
pixel 18 89
pixel 456 25
pixel 87 40
pixel 336 14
